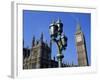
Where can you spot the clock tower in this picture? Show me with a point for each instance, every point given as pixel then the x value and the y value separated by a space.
pixel 81 47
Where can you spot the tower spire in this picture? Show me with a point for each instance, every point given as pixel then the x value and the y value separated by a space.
pixel 41 38
pixel 33 41
pixel 78 26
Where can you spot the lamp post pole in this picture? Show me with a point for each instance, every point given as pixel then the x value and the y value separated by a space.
pixel 56 30
pixel 59 58
pixel 59 55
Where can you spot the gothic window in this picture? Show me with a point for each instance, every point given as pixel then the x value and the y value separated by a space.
pixel 35 53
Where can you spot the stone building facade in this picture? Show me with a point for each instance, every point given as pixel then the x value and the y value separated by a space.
pixel 39 56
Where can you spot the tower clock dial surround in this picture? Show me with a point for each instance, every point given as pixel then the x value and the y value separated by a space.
pixel 78 38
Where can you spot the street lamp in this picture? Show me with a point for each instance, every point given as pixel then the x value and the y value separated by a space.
pixel 60 26
pixel 64 41
pixel 53 30
pixel 56 34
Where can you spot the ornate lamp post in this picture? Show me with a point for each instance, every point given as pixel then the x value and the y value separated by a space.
pixel 56 34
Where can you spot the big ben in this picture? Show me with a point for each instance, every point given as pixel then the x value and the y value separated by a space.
pixel 81 47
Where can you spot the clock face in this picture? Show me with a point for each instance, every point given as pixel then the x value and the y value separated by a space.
pixel 78 38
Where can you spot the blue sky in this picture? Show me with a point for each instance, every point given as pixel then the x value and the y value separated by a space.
pixel 35 22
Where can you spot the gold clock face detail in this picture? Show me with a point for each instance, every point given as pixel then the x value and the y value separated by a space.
pixel 78 38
